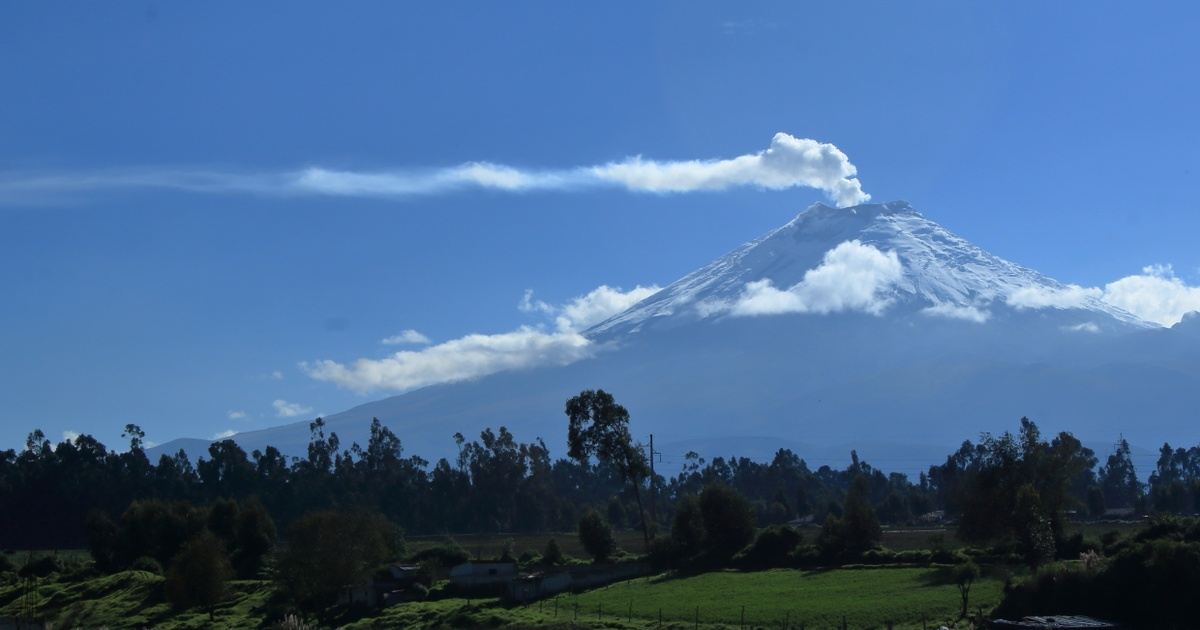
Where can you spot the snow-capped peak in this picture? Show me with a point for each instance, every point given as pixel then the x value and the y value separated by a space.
pixel 941 272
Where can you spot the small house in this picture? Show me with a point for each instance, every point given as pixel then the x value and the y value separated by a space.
pixel 527 588
pixel 475 575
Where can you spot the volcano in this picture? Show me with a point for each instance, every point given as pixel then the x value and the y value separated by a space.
pixel 869 327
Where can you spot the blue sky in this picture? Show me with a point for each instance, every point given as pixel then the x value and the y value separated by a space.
pixel 1062 136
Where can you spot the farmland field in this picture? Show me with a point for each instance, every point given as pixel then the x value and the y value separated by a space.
pixel 866 598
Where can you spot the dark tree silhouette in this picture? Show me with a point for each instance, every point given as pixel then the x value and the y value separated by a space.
pixel 599 428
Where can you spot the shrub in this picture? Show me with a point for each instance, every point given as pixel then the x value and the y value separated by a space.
pixel 448 554
pixel 772 548
pixel 687 528
pixel 148 564
pixel 199 574
pixel 808 556
pixel 728 521
pixel 914 556
pixel 877 556
pixel 41 567
pixel 1149 582
pixel 596 536
pixel 552 555
pixel 329 550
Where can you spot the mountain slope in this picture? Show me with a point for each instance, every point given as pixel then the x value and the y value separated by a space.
pixel 899 380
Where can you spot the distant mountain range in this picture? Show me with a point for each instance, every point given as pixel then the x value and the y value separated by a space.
pixel 870 327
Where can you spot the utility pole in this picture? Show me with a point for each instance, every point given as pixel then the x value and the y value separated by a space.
pixel 653 483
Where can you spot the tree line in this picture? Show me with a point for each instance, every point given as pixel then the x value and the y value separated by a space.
pixel 498 484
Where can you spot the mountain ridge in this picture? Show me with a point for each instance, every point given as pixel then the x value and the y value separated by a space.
pixel 900 374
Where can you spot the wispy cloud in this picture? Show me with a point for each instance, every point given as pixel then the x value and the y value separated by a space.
pixel 405 337
pixel 788 162
pixel 1066 297
pixel 476 355
pixel 70 436
pixel 946 310
pixel 285 409
pixel 223 435
pixel 236 414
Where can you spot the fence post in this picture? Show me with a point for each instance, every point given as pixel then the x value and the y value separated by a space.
pixel 697 618
pixel 843 622
pixel 743 622
pixel 630 619
pixel 599 610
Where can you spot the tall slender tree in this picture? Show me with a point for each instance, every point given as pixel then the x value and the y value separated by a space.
pixel 599 428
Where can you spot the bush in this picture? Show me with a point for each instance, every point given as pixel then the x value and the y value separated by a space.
pixel 6 565
pixel 596 536
pixel 914 556
pixel 552 555
pixel 147 564
pixel 687 528
pixel 946 556
pixel 878 556
pixel 772 548
pixel 199 574
pixel 728 521
pixel 40 567
pixel 1149 582
pixel 808 556
pixel 330 550
pixel 448 554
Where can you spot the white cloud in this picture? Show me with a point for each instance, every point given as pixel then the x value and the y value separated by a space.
pixel 599 304
pixel 277 375
pixel 788 162
pixel 477 355
pixel 851 277
pixel 228 433
pixel 409 336
pixel 1038 297
pixel 70 436
pixel 460 359
pixel 1087 327
pixel 530 305
pixel 236 414
pixel 1155 295
pixel 953 311
pixel 285 409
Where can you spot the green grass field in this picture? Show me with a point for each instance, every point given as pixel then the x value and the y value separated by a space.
pixel 866 598
pixel 130 599
pixel 819 599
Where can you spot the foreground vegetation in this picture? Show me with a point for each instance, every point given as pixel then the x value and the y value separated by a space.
pixel 866 597
pixel 235 543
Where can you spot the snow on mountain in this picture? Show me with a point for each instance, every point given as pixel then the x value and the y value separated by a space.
pixel 888 331
pixel 941 270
